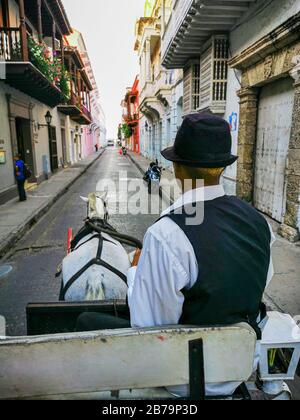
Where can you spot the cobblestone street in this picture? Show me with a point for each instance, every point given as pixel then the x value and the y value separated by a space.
pixel 36 256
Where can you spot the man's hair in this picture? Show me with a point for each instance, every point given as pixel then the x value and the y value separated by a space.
pixel 208 174
pixel 18 156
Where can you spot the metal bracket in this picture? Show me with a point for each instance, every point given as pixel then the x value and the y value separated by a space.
pixel 197 374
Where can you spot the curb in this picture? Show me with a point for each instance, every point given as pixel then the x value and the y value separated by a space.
pixel 40 212
pixel 162 194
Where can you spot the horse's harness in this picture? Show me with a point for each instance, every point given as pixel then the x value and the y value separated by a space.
pixel 97 226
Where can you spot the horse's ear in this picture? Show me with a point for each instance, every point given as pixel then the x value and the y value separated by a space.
pixel 103 195
pixel 85 199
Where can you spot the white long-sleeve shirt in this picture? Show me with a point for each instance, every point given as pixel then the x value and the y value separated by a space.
pixel 167 266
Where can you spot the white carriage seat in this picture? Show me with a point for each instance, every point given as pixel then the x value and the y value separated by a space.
pixel 85 363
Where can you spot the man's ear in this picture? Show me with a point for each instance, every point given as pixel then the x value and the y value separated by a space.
pixel 85 199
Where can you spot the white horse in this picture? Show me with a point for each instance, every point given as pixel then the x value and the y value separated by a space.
pixel 84 278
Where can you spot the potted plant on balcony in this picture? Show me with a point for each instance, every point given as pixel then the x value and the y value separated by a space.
pixel 39 58
pixel 64 84
pixel 127 131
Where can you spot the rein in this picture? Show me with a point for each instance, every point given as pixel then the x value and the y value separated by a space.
pixel 99 226
pixel 109 230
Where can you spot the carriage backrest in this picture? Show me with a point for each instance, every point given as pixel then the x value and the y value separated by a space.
pixel 121 359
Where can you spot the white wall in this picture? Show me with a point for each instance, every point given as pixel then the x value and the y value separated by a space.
pixel 232 109
pixel 40 137
pixel 262 18
pixel 14 14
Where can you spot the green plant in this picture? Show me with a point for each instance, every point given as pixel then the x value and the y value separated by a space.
pixel 127 131
pixel 16 52
pixel 39 60
pixel 64 83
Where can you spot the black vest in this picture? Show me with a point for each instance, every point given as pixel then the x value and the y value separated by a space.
pixel 232 247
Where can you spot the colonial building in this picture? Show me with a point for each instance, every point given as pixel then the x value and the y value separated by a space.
pixel 131 116
pixel 94 133
pixel 44 91
pixel 240 60
pixel 160 89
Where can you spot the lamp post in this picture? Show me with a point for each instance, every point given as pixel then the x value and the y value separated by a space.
pixel 48 119
pixel 77 142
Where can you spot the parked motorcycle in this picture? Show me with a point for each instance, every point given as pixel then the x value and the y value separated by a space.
pixel 153 177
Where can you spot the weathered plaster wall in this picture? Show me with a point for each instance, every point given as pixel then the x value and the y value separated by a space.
pixel 261 19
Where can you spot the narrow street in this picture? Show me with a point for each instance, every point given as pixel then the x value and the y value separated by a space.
pixel 36 256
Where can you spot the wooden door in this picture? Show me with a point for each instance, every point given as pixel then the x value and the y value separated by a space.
pixel 273 136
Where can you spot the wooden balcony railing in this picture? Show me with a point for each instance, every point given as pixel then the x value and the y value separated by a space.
pixel 10 44
pixel 86 112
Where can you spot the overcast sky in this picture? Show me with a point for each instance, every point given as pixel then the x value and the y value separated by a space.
pixel 108 29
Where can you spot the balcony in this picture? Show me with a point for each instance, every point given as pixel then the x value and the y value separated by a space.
pixel 33 75
pixel 131 120
pixel 193 22
pixel 77 111
pixel 163 87
pixel 79 86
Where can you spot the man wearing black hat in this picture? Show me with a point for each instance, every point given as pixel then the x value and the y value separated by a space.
pixel 213 272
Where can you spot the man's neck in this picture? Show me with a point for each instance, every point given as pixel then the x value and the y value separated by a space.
pixel 187 186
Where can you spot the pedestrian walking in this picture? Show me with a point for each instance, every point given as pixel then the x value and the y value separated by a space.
pixel 20 174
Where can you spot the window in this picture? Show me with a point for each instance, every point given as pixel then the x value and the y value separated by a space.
pixel 196 87
pixel 220 70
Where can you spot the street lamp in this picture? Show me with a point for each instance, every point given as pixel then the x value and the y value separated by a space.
pixel 48 119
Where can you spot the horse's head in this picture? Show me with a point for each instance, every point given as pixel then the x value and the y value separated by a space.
pixel 97 208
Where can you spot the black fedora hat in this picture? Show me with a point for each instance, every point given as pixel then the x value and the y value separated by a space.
pixel 204 141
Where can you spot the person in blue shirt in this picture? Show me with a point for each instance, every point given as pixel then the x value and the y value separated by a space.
pixel 20 176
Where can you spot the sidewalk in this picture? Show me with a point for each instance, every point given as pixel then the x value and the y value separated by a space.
pixel 283 293
pixel 16 218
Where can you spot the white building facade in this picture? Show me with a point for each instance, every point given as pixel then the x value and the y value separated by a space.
pixel 240 61
pixel 160 89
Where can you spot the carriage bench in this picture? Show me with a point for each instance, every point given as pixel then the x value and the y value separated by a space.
pixel 102 365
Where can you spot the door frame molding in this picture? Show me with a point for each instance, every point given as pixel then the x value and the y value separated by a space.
pixel 284 197
pixel 279 64
pixel 18 108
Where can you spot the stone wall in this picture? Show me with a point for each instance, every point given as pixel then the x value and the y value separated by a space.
pixel 278 63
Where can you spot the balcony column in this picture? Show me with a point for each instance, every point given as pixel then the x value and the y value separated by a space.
pixel 163 16
pixel 62 49
pixel 79 86
pixel 84 96
pixel 53 36
pixel 89 101
pixel 148 60
pixel 246 143
pixel 23 31
pixel 39 20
